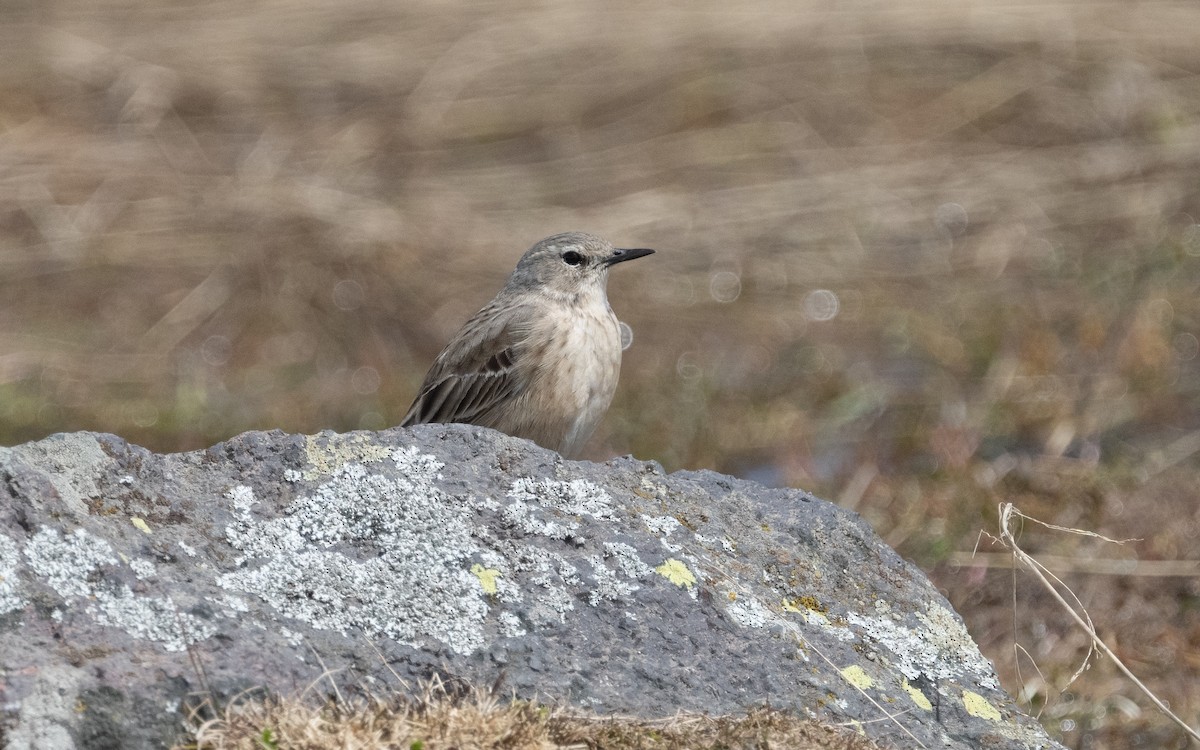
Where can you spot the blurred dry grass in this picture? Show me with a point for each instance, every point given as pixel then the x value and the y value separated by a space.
pixel 917 257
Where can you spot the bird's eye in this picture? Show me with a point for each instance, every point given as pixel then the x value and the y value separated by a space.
pixel 572 258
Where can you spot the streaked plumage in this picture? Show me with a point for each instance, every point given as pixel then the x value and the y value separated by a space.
pixel 542 359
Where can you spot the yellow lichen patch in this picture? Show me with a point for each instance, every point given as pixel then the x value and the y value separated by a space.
pixel 733 596
pixel 324 459
pixel 677 573
pixel 855 675
pixel 140 525
pixel 810 603
pixel 977 705
pixel 806 603
pixel 917 696
pixel 487 578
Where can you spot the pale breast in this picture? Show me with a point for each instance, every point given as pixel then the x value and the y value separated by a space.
pixel 581 363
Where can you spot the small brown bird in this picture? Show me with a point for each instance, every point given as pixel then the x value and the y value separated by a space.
pixel 541 360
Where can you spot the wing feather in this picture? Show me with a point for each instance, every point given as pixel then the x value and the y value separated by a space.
pixel 475 374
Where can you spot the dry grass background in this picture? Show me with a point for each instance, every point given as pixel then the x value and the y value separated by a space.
pixel 917 257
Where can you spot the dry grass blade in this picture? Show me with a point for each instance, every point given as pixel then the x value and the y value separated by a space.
pixel 1007 513
pixel 1069 530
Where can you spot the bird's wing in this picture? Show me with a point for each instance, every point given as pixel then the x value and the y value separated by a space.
pixel 474 374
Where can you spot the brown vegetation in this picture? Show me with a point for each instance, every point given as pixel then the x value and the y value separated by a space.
pixel 440 720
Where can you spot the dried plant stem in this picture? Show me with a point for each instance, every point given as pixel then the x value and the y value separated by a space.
pixel 1007 512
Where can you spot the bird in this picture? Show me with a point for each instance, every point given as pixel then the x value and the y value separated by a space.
pixel 542 359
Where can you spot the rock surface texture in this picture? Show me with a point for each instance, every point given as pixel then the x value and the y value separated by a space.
pixel 132 582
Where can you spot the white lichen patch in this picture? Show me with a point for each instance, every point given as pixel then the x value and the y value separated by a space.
pixel 627 559
pixel 149 618
pixel 819 620
pixel 241 498
pixel 609 585
pixel 143 569
pixel 552 579
pixel 70 565
pixel 541 578
pixel 662 526
pixel 292 637
pixel 486 503
pixel 236 604
pixel 955 644
pixel 10 586
pixel 510 625
pixel 712 543
pixel 411 580
pixel 547 507
pixel 526 518
pixel 940 650
pixel 578 497
pixel 749 613
pixel 67 563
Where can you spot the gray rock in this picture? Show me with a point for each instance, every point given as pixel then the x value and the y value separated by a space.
pixel 131 583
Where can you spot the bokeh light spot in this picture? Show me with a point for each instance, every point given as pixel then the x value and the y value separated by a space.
pixel 143 414
pixel 1186 347
pixel 626 335
pixel 1161 311
pixel 372 420
pixel 821 305
pixel 365 380
pixel 687 367
pixel 347 294
pixel 725 286
pixel 1191 239
pixel 48 414
pixel 679 291
pixel 1044 255
pixel 951 218
pixel 215 350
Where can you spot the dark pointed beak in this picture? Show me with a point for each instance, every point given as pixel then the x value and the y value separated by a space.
pixel 620 255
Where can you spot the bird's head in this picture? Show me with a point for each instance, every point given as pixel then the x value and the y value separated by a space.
pixel 570 264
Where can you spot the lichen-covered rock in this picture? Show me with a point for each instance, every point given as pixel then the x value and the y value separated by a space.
pixel 130 583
